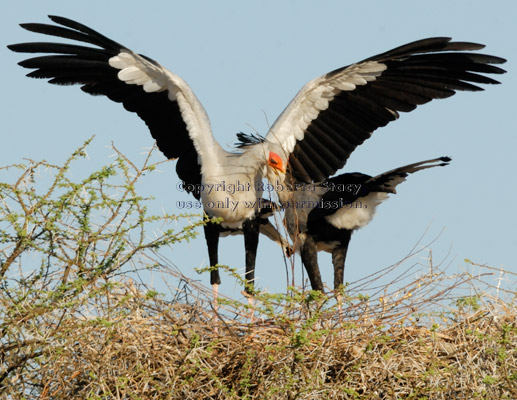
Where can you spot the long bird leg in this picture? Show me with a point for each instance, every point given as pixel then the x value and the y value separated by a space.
pixel 310 261
pixel 251 229
pixel 339 257
pixel 338 261
pixel 212 241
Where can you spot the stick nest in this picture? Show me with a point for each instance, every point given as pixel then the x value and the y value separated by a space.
pixel 428 340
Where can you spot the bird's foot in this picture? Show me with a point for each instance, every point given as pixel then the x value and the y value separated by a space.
pixel 251 300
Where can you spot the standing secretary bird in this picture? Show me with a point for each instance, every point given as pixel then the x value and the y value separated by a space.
pixel 317 131
pixel 178 123
pixel 322 216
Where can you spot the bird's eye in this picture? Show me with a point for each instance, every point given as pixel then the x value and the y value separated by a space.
pixel 274 158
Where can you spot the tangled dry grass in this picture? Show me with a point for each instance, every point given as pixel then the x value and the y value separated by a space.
pixel 127 343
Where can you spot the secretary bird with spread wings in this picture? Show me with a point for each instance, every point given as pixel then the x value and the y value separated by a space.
pixel 318 130
pixel 176 120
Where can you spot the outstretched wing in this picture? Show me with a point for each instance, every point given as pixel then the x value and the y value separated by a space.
pixel 388 181
pixel 345 189
pixel 164 101
pixel 335 113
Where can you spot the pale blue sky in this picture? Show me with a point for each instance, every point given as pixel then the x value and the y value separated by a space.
pixel 245 60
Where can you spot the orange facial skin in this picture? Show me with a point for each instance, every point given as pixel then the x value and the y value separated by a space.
pixel 275 162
